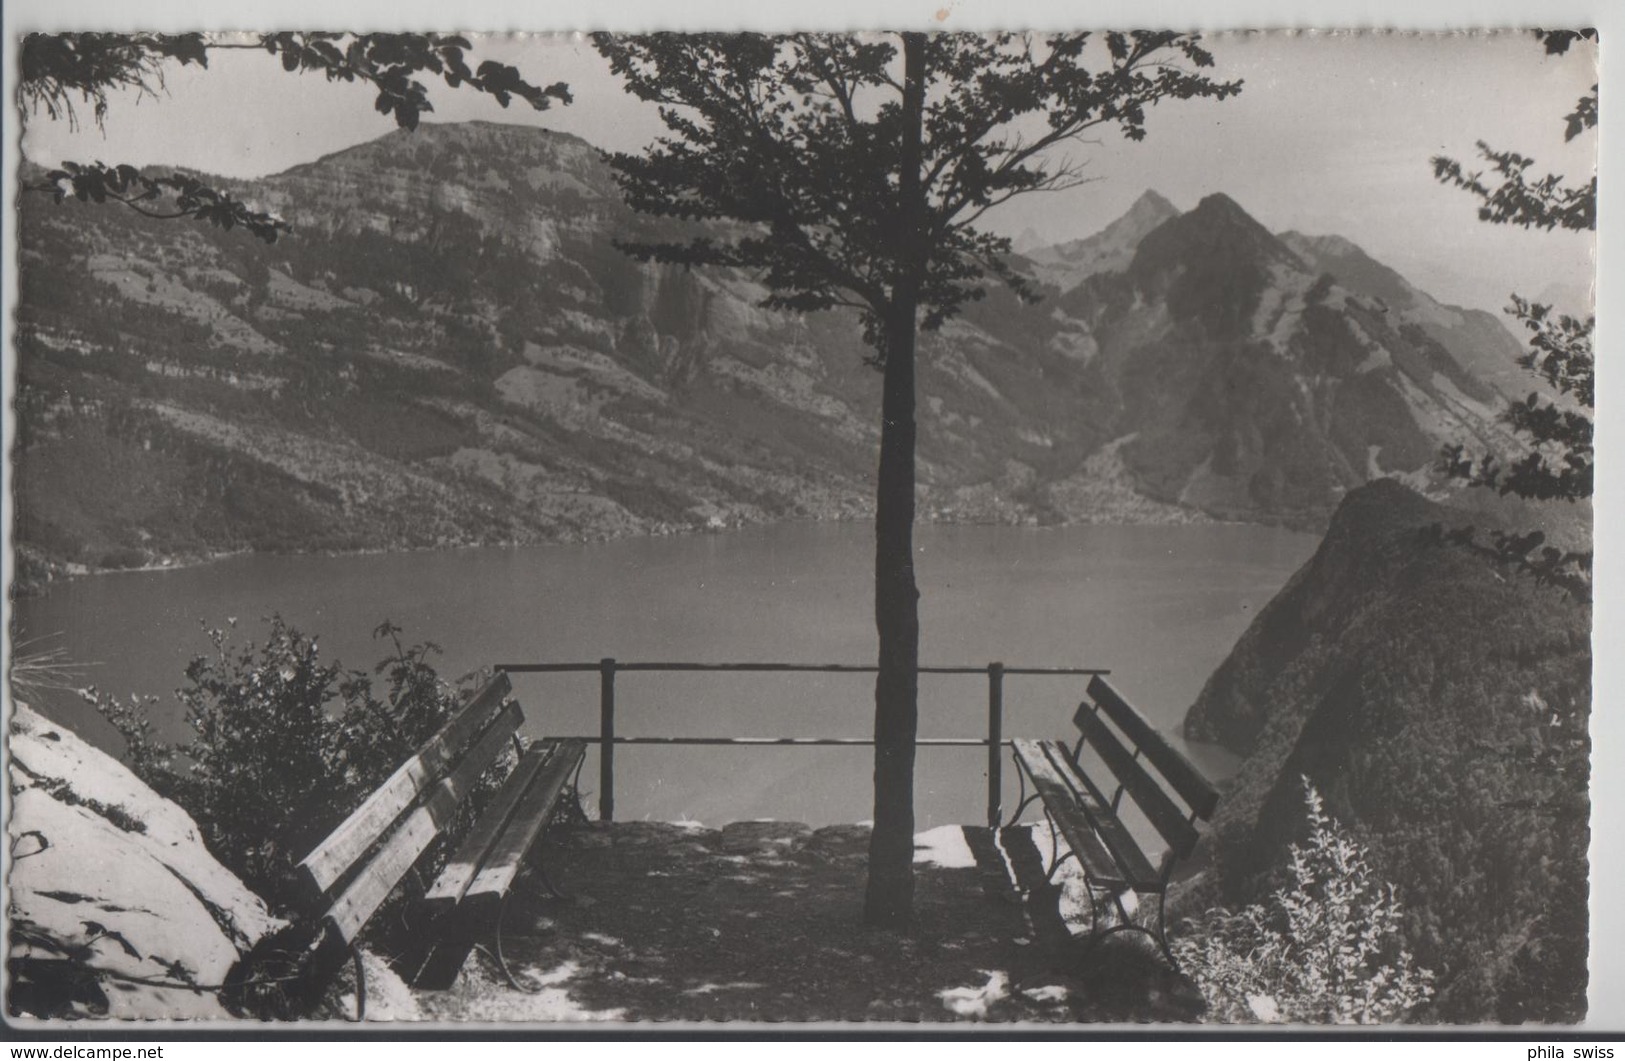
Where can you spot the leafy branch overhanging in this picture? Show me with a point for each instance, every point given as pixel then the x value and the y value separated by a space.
pixel 58 71
pixel 1557 462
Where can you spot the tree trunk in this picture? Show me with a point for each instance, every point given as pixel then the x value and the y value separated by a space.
pixel 889 899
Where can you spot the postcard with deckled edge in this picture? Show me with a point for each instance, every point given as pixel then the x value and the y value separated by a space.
pixel 927 528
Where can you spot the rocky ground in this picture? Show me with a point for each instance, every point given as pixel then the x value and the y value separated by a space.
pixel 760 921
pixel 117 911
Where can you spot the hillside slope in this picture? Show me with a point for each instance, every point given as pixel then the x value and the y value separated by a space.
pixel 1440 704
pixel 1256 385
pixel 450 349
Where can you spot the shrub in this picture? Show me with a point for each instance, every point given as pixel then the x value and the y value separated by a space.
pixel 122 559
pixel 282 744
pixel 1326 948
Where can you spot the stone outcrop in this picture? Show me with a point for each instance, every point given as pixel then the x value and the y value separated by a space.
pixel 1440 702
pixel 116 909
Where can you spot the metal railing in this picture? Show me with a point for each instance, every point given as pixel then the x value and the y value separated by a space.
pixel 607 739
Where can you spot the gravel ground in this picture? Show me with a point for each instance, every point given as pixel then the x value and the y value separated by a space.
pixel 760 922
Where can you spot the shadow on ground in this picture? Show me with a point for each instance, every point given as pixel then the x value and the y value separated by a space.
pixel 760 921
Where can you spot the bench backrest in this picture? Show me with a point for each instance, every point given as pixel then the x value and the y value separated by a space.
pixel 352 871
pixel 1145 767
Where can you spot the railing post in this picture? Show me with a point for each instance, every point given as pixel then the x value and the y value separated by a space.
pixel 606 737
pixel 995 743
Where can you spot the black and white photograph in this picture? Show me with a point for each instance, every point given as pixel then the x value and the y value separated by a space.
pixel 912 525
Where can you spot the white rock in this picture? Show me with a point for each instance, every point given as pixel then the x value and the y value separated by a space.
pixel 107 865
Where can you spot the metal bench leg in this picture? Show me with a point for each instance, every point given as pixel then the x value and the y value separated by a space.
pixel 547 882
pixel 1092 940
pixel 502 914
pixel 1054 841
pixel 1022 799
pixel 579 813
pixel 1161 934
pixel 501 960
pixel 1056 863
pixel 1158 934
pixel 1098 934
pixel 1094 911
pixel 360 985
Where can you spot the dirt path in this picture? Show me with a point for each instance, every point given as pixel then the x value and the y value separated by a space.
pixel 760 921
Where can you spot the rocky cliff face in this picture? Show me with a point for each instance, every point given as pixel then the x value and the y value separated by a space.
pixel 1475 339
pixel 1440 704
pixel 1255 383
pixel 1111 250
pixel 116 909
pixel 450 349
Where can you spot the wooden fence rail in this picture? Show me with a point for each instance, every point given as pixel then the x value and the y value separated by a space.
pixel 608 667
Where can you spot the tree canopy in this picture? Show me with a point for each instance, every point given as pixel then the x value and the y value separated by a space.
pixel 60 72
pixel 1533 202
pixel 1558 461
pixel 854 171
pixel 801 139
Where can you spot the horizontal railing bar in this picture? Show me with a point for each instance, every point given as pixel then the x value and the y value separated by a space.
pixel 948 742
pixel 812 668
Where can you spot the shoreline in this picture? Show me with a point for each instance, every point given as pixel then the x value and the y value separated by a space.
pixel 60 571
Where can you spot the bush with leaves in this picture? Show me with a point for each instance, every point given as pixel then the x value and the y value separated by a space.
pixel 283 745
pixel 1326 948
pixel 1555 429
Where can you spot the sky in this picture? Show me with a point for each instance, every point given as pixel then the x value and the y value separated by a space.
pixel 1331 133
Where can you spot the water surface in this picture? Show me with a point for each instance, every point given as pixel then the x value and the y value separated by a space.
pixel 1159 606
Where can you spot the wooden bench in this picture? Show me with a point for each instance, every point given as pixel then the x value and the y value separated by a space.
pixel 1083 797
pixel 347 877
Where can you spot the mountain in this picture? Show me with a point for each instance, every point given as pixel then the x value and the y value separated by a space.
pixel 1249 381
pixel 1066 265
pixel 450 350
pixel 1029 240
pixel 1572 299
pixel 1478 340
pixel 1439 702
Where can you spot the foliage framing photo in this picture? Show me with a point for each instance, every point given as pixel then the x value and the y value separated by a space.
pixel 1558 461
pixel 60 72
pixel 853 172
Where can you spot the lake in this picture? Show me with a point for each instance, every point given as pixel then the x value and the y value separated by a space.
pixel 1160 606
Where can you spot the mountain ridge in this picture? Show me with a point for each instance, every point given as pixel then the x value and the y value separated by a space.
pixel 451 330
pixel 1065 265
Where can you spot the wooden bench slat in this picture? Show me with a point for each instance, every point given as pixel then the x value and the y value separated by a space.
pixel 502 863
pixel 1130 758
pixel 1131 861
pixel 362 897
pixel 334 856
pixel 1059 796
pixel 1163 813
pixel 453 881
pixel 1197 792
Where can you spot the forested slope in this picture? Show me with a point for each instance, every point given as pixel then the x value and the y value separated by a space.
pixel 1440 703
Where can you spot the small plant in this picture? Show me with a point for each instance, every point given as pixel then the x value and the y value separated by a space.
pixel 283 744
pixel 1325 949
pixel 35 670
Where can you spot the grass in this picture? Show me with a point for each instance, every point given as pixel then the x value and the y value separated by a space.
pixel 35 669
